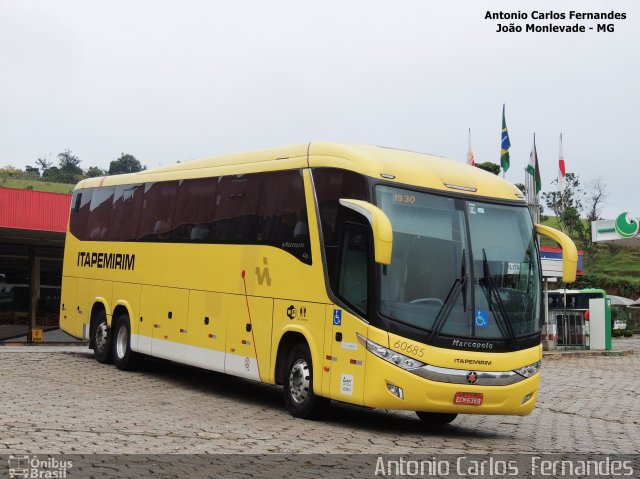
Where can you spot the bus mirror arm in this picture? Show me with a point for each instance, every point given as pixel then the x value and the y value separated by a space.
pixel 569 251
pixel 380 226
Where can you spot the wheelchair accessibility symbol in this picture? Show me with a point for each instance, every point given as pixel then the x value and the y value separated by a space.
pixel 337 317
pixel 482 318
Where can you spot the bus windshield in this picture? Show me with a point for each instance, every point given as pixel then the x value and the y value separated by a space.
pixel 460 268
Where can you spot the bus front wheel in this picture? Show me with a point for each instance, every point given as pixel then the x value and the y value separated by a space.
pixel 123 357
pixel 101 339
pixel 299 397
pixel 435 418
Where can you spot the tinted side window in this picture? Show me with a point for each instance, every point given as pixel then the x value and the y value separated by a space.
pixel 100 213
pixel 236 209
pixel 354 260
pixel 193 216
pixel 282 216
pixel 331 184
pixel 79 217
pixel 157 211
pixel 127 203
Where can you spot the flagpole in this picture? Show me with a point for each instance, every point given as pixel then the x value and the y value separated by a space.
pixel 561 175
pixel 535 197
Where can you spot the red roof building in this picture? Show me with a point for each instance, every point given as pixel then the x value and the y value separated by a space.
pixel 32 231
pixel 34 210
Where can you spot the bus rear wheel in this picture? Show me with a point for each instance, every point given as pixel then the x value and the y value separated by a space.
pixel 299 397
pixel 435 418
pixel 101 339
pixel 123 357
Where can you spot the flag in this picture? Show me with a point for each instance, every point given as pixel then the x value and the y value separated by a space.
pixel 471 159
pixel 561 169
pixel 505 144
pixel 533 183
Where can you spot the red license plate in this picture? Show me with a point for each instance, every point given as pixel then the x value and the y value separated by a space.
pixel 468 399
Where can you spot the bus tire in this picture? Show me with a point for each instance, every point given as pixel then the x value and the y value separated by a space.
pixel 435 418
pixel 299 397
pixel 101 339
pixel 123 357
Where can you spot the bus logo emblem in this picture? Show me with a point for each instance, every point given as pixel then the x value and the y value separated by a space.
pixel 263 274
pixel 472 377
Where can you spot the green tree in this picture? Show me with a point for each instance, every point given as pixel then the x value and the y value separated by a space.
pixel 32 171
pixel 94 171
pixel 125 164
pixel 490 167
pixel 43 164
pixel 68 170
pixel 567 204
pixel 69 162
pixel 51 174
pixel 570 203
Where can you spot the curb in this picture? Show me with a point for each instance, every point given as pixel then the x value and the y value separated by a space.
pixel 583 354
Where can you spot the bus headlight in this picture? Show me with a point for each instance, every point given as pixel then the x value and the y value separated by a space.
pixel 530 370
pixel 393 357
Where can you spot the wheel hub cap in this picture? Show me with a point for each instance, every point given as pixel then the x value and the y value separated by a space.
pixel 299 381
pixel 101 336
pixel 121 342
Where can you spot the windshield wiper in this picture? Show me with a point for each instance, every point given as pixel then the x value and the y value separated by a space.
pixel 458 285
pixel 502 319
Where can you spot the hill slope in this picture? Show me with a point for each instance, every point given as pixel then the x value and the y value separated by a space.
pixel 615 269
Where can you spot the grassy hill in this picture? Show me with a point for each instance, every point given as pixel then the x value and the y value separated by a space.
pixel 615 269
pixel 30 184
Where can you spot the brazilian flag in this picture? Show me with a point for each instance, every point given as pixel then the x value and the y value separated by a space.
pixel 505 144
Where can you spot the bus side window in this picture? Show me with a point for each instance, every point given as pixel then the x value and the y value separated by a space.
pixel 282 215
pixel 157 211
pixel 236 209
pixel 100 213
pixel 80 214
pixel 194 210
pixel 354 264
pixel 127 203
pixel 331 184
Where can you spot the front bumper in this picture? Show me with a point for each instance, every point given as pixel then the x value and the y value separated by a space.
pixel 422 394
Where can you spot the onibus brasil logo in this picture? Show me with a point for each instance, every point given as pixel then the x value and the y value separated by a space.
pixel 626 226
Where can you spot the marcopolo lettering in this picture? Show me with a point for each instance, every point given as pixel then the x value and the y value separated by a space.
pixel 88 259
pixel 456 343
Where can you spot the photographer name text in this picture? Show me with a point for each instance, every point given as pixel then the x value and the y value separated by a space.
pixel 573 21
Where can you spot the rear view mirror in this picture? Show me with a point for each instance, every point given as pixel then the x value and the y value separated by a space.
pixel 380 226
pixel 569 251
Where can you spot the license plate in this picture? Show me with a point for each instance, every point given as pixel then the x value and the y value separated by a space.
pixel 468 399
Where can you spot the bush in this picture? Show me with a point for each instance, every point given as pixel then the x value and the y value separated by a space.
pixel 627 333
pixel 616 333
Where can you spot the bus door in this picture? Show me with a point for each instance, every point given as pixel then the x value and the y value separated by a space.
pixel 347 355
pixel 347 359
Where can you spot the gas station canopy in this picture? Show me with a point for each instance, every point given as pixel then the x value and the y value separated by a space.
pixel 623 231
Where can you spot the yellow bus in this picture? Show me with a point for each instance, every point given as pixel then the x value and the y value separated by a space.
pixel 368 275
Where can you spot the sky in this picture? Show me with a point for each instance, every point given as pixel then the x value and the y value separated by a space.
pixel 171 81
